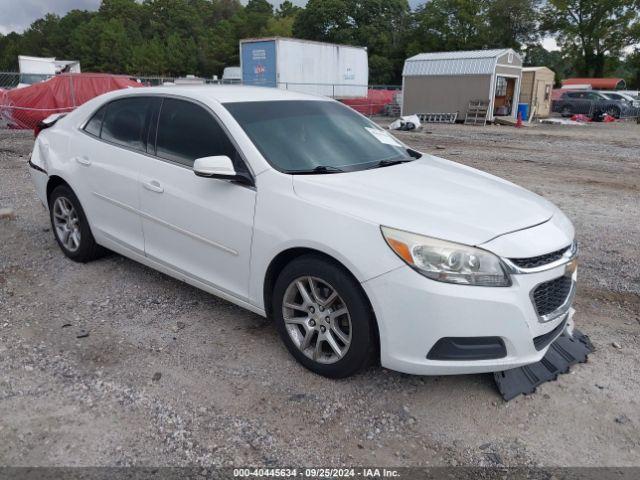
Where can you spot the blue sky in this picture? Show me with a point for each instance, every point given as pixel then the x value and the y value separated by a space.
pixel 16 15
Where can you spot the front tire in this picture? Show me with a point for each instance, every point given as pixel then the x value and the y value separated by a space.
pixel 70 226
pixel 323 317
pixel 613 111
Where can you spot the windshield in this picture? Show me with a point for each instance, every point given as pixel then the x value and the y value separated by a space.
pixel 309 136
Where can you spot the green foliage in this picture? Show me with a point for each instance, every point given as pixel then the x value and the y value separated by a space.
pixel 630 69
pixel 445 25
pixel 179 37
pixel 536 55
pixel 592 31
pixel 287 9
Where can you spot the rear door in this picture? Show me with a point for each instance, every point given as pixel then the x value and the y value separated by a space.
pixel 201 227
pixel 579 103
pixel 107 161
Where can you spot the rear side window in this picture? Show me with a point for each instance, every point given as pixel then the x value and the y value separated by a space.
pixel 94 125
pixel 124 122
pixel 187 131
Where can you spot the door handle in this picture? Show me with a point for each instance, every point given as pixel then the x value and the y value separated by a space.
pixel 154 186
pixel 83 161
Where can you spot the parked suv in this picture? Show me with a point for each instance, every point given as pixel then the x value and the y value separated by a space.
pixel 590 102
pixel 300 209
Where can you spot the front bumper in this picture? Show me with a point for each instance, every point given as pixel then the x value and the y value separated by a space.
pixel 414 312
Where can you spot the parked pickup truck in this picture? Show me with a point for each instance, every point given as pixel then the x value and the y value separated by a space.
pixel 590 102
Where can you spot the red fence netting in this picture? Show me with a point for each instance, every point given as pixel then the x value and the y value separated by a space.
pixel 23 108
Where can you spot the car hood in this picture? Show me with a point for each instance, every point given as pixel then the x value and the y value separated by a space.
pixel 429 196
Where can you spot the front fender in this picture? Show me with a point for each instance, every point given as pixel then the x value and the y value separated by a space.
pixel 284 221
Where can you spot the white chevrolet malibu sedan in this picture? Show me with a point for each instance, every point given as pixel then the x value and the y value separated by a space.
pixel 300 209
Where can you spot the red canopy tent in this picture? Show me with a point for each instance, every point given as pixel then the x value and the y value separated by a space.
pixel 25 107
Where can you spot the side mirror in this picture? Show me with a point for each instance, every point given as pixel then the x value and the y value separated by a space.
pixel 220 167
pixel 215 167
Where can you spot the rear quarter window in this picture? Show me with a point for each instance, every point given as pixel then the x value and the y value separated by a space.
pixel 94 125
pixel 124 122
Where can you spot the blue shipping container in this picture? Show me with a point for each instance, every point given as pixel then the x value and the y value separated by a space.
pixel 259 63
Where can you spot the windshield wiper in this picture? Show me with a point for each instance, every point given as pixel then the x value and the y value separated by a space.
pixel 388 163
pixel 318 169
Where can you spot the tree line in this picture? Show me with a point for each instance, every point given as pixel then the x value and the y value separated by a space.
pixel 179 37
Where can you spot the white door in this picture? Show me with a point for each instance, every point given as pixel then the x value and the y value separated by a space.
pixel 107 161
pixel 201 227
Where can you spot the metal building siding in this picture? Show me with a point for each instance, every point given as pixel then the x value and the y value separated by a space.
pixel 311 67
pixel 322 68
pixel 474 66
pixel 460 55
pixel 474 62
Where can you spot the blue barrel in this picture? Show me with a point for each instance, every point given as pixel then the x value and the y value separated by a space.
pixel 523 110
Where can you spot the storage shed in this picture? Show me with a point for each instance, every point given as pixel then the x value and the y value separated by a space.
pixel 537 85
pixel 445 82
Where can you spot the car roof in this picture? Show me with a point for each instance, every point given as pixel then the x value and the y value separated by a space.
pixel 223 93
pixel 585 91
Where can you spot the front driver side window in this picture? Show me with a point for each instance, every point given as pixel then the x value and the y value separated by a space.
pixel 187 131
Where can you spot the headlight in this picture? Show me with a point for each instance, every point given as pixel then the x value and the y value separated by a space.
pixel 447 261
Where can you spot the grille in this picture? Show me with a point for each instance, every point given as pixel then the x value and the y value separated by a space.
pixel 540 260
pixel 549 296
pixel 543 340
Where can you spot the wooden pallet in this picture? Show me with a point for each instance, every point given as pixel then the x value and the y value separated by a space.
pixel 438 117
pixel 477 113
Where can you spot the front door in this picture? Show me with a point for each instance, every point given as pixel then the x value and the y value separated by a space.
pixel 504 96
pixel 200 227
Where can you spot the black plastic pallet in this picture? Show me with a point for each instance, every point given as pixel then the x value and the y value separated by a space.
pixel 562 354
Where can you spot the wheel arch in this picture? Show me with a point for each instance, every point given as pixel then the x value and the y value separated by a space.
pixel 53 182
pixel 282 259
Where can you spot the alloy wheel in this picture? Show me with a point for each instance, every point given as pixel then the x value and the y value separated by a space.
pixel 317 319
pixel 66 223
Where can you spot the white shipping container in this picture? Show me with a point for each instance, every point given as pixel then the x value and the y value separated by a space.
pixel 46 65
pixel 317 68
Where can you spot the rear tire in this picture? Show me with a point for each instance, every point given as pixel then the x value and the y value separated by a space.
pixel 330 333
pixel 70 227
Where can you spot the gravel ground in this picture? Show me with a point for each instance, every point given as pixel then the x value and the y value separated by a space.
pixel 169 375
